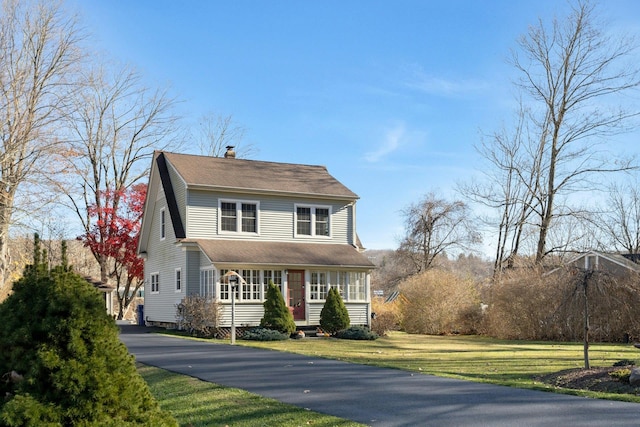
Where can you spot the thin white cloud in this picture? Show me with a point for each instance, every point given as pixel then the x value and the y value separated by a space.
pixel 418 79
pixel 391 143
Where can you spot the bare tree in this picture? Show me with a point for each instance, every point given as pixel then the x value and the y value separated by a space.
pixel 620 222
pixel 116 125
pixel 570 71
pixel 216 132
pixel 39 52
pixel 433 226
pixel 509 188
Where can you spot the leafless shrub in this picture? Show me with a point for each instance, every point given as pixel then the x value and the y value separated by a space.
pixel 199 316
pixel 528 305
pixel 439 302
pixel 387 316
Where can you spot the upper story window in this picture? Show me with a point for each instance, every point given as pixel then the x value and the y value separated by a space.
pixel 239 216
pixel 163 222
pixel 313 220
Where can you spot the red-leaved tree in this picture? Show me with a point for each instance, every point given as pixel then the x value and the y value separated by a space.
pixel 113 240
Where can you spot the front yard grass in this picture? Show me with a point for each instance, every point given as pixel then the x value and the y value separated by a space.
pixel 474 358
pixel 196 403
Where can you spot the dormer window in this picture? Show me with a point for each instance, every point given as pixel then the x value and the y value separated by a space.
pixel 238 216
pixel 313 220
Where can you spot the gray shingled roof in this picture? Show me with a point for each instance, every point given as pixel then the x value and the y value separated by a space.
pixel 281 253
pixel 252 175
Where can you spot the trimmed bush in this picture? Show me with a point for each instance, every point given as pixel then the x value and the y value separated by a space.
pixel 356 333
pixel 334 315
pixel 276 313
pixel 66 359
pixel 263 334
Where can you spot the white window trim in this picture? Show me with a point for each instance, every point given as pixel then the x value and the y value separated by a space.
pixel 175 277
pixel 156 274
pixel 313 221
pixel 163 224
pixel 239 203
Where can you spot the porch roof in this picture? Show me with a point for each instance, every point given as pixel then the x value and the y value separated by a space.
pixel 281 253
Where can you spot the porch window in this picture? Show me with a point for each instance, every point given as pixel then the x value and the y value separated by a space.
pixel 318 285
pixel 252 288
pixel 338 280
pixel 357 286
pixel 207 287
pixel 274 276
pixel 225 286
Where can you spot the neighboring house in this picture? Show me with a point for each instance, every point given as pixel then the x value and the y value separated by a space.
pixel 615 264
pixel 290 224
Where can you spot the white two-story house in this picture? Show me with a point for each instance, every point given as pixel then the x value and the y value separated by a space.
pixel 290 224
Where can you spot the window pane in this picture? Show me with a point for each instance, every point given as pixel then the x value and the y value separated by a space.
pixel 162 223
pixel 304 221
pixel 249 218
pixel 322 222
pixel 228 217
pixel 357 286
pixel 225 288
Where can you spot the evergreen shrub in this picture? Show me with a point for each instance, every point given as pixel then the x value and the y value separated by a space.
pixel 263 334
pixel 276 313
pixel 64 360
pixel 334 315
pixel 356 333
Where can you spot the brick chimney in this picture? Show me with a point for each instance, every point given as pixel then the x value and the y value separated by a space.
pixel 230 154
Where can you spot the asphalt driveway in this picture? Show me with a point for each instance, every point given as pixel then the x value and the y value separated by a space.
pixel 370 395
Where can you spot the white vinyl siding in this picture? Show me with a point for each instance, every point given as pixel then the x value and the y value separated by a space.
pixel 163 259
pixel 276 218
pixel 358 313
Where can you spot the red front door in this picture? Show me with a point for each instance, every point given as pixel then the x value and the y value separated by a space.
pixel 295 279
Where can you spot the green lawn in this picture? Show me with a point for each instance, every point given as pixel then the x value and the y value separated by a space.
pixel 482 359
pixel 513 363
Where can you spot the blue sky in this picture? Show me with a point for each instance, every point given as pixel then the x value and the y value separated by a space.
pixel 390 96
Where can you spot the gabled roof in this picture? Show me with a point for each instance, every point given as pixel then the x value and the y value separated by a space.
pixel 617 259
pixel 281 253
pixel 230 174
